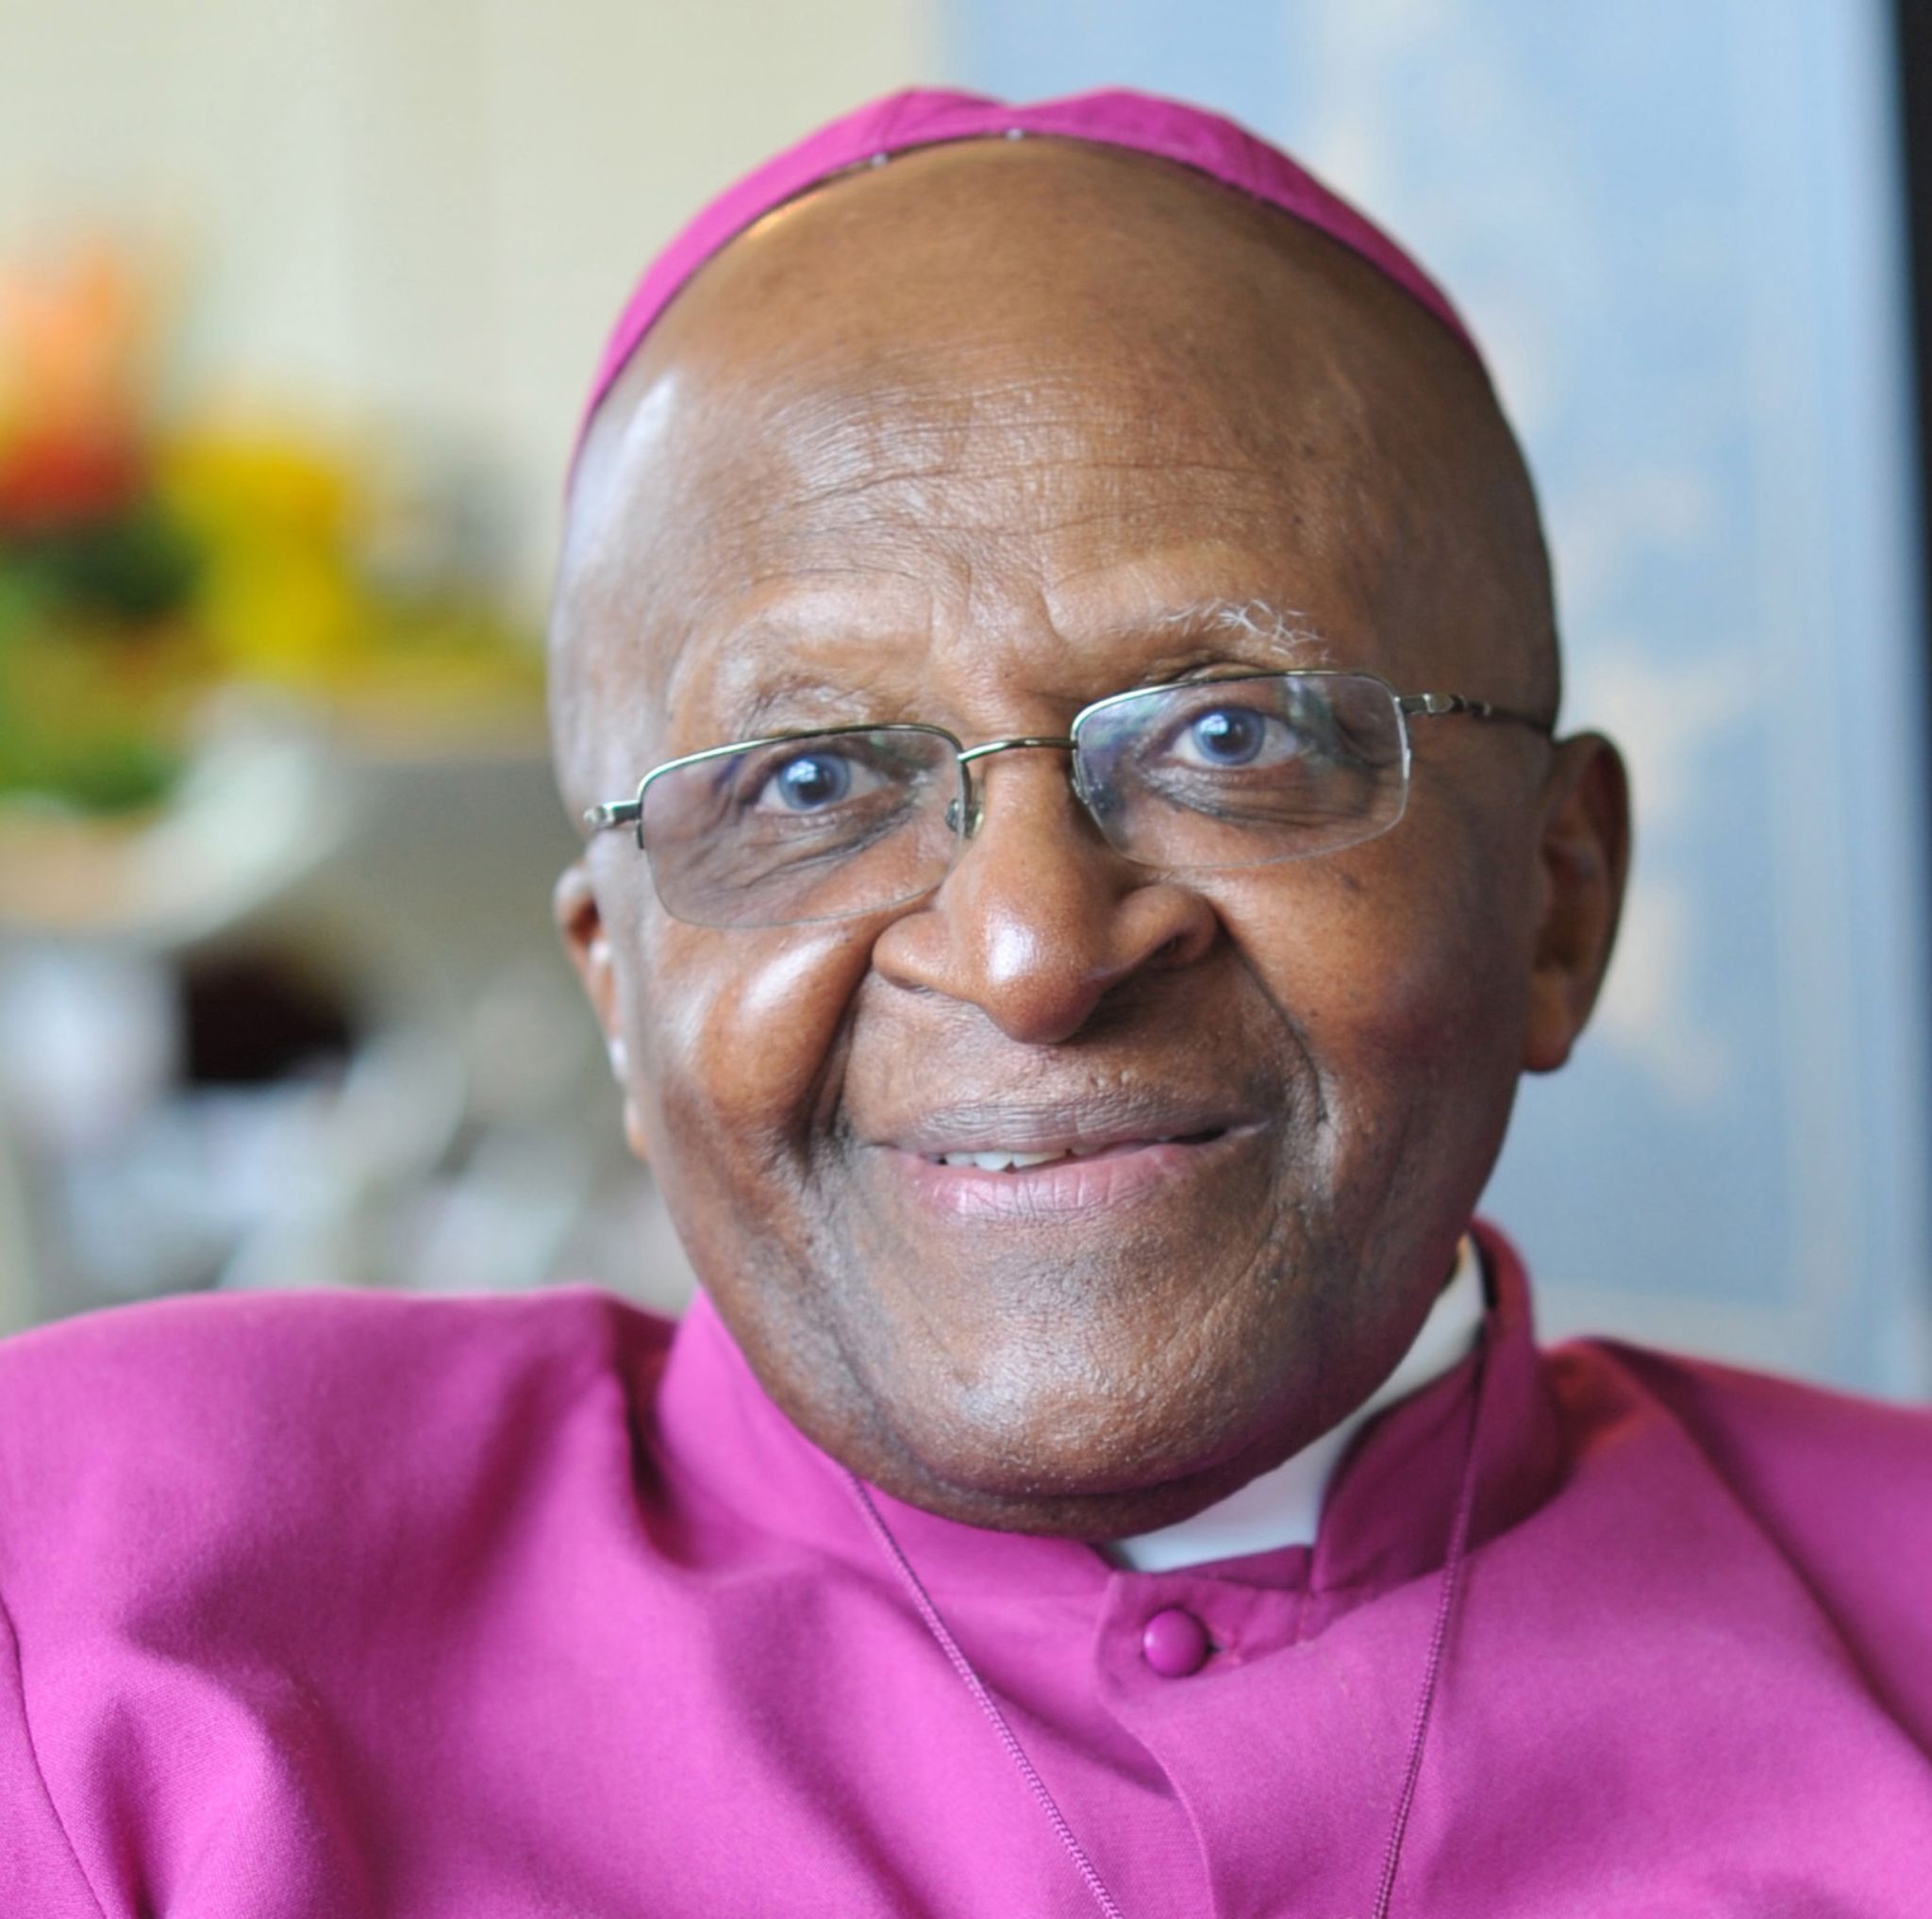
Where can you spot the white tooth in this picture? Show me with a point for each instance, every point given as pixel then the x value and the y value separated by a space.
pixel 998 1161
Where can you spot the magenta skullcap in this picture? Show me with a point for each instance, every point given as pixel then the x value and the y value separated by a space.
pixel 1139 123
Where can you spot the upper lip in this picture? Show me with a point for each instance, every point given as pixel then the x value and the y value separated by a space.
pixel 1070 1125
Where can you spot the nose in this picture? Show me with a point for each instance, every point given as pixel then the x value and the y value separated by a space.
pixel 1040 919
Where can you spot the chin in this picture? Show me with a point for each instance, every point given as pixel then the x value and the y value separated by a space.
pixel 1093 1386
pixel 1098 1503
pixel 1060 1425
pixel 1084 1464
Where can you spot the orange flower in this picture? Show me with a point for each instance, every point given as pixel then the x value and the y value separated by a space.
pixel 74 341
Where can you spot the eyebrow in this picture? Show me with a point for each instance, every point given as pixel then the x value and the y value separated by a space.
pixel 794 701
pixel 799 698
pixel 1250 619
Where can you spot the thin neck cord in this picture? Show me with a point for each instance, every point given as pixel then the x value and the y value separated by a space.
pixel 1439 1638
pixel 963 1666
pixel 1432 1667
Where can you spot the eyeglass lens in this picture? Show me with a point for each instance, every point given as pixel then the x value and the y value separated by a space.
pixel 1227 773
pixel 820 827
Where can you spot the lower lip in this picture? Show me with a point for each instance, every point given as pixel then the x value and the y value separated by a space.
pixel 1061 1189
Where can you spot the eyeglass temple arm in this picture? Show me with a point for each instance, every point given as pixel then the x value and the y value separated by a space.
pixel 1439 706
pixel 613 814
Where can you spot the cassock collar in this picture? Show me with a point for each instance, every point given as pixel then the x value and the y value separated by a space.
pixel 1386 1517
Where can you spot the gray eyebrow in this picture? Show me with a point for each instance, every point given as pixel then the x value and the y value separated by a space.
pixel 1254 619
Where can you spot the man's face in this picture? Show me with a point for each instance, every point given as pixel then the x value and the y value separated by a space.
pixel 976 440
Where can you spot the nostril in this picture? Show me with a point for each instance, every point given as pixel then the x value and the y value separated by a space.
pixel 1180 946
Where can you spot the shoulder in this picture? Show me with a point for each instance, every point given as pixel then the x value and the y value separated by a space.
pixel 241 1351
pixel 1836 1487
pixel 1805 1441
pixel 211 1400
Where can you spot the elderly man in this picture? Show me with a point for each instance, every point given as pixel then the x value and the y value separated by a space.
pixel 1055 656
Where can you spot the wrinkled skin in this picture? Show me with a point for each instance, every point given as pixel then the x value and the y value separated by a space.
pixel 977 438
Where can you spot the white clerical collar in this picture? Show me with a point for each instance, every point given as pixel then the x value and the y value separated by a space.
pixel 1283 1507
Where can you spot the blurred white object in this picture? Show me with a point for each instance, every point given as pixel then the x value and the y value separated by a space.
pixel 86 1041
pixel 255 811
pixel 19 1300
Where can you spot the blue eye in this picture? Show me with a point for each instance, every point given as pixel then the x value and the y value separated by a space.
pixel 810 781
pixel 1229 736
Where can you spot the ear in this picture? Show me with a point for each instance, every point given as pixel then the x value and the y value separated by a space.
pixel 581 921
pixel 1584 859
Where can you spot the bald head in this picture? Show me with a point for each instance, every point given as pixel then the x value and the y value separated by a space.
pixel 992 309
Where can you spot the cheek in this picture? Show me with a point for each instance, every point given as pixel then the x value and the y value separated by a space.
pixel 1402 965
pixel 734 1037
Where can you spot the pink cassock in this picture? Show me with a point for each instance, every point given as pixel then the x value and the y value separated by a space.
pixel 346 1604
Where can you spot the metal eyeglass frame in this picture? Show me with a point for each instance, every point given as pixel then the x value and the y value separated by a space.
pixel 1424 705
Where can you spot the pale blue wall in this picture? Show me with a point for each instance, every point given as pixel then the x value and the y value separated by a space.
pixel 1676 223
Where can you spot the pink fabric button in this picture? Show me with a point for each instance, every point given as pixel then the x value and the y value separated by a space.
pixel 1175 1643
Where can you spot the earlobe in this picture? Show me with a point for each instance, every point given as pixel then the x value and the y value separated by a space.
pixel 580 922
pixel 1584 863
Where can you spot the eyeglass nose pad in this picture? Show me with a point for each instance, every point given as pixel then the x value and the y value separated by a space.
pixel 963 819
pixel 1100 799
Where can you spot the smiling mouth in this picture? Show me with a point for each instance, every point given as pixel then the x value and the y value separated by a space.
pixel 1034 1184
pixel 1019 1160
pixel 1023 1161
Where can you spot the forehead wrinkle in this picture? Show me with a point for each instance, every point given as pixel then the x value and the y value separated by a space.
pixel 928 525
pixel 778 544
pixel 844 423
pixel 840 440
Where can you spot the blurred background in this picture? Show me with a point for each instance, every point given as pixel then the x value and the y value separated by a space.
pixel 297 301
